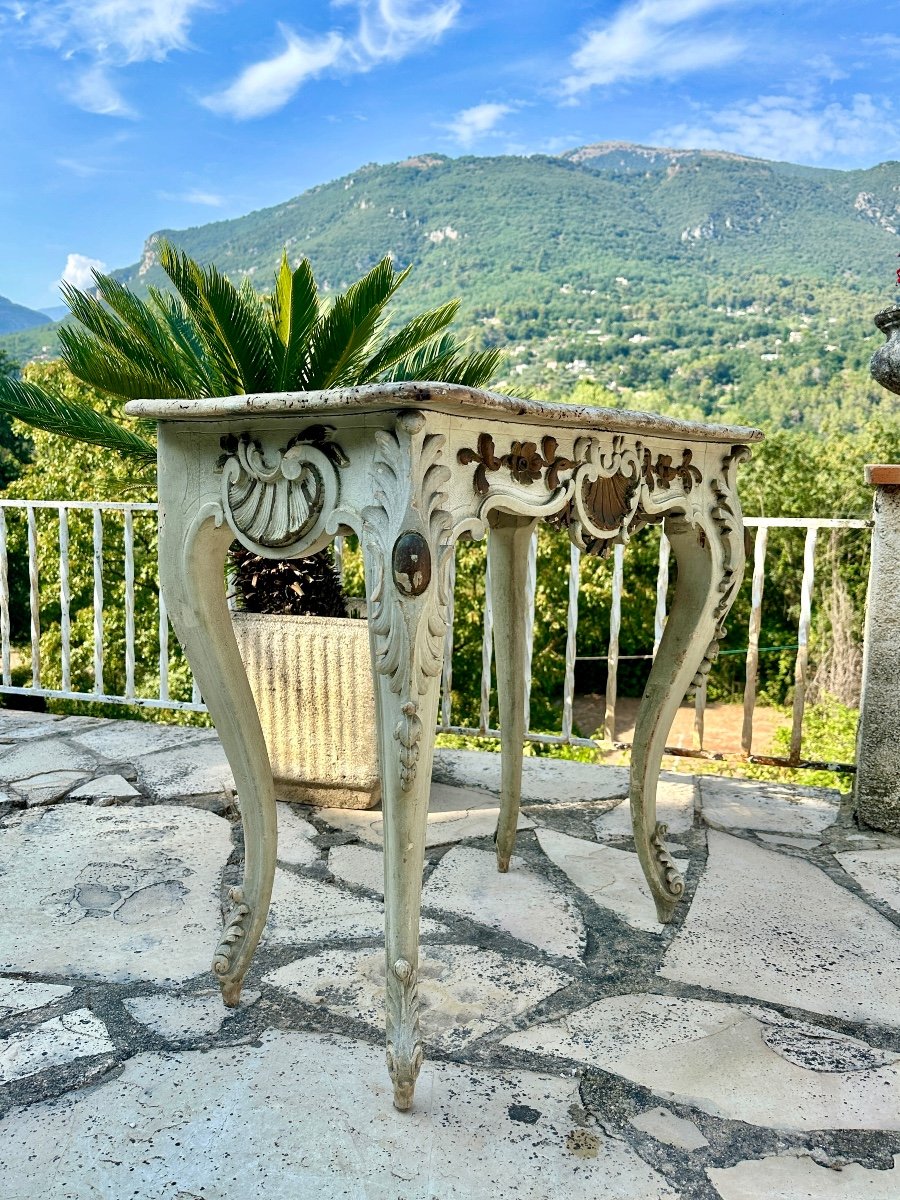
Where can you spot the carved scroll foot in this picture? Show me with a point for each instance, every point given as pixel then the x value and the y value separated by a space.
pixel 710 567
pixel 193 541
pixel 404 1043
pixel 508 548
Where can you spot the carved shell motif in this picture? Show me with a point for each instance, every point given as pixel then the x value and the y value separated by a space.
pixel 277 500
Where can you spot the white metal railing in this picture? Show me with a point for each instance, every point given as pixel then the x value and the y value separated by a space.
pixel 37 513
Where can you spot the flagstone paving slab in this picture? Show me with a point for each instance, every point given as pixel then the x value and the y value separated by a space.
pixel 666 1127
pixel 736 804
pixel 358 865
pixel 676 798
pixel 49 787
pixel 128 740
pixel 106 789
pixel 464 992
pixel 294 838
pixel 112 893
pixel 26 759
pixel 774 927
pixel 466 881
pixel 310 1115
pixel 20 995
pixel 612 878
pixel 60 1040
pixel 729 1062
pixel 312 910
pixel 453 814
pixel 877 872
pixel 182 1018
pixel 197 769
pixel 547 779
pixel 789 1177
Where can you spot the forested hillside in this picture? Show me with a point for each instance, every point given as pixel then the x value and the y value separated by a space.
pixel 697 282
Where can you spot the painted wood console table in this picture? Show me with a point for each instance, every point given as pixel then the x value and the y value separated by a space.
pixel 410 468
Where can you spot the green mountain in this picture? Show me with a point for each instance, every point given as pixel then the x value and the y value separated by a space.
pixel 14 317
pixel 698 281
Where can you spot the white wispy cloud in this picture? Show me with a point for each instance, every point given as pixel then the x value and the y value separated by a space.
pixel 391 29
pixel 268 85
pixel 104 35
pixel 78 270
pixel 651 39
pixel 795 129
pixel 385 30
pixel 94 91
pixel 195 196
pixel 473 123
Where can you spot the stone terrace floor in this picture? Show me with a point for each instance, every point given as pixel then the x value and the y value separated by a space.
pixel 575 1048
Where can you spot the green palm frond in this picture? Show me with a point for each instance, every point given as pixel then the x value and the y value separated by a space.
pixel 205 377
pixel 474 370
pixel 135 376
pixel 231 322
pixel 31 404
pixel 105 338
pixel 341 339
pixel 415 333
pixel 444 362
pixel 295 311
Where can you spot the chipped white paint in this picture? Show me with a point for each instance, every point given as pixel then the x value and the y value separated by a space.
pixel 721 1059
pixel 464 992
pixel 54 1043
pixel 519 902
pixel 747 933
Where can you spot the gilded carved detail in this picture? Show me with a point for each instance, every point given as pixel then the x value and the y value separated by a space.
pixel 278 499
pixel 606 479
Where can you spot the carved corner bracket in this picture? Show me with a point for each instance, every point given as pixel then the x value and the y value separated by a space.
pixel 278 501
pixel 408 543
pixel 603 486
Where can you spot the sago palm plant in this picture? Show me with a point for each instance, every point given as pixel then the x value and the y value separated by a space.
pixel 211 338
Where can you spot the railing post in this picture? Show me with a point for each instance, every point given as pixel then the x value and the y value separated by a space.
pixel 877 788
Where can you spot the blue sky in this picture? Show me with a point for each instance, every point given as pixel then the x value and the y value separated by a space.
pixel 120 117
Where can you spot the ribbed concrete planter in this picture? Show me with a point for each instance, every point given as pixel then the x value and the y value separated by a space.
pixel 312 680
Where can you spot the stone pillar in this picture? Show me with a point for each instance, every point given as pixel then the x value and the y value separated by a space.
pixel 877 788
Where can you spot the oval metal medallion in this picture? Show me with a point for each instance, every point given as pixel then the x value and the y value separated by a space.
pixel 411 563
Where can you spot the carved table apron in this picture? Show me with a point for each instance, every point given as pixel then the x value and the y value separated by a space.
pixel 410 468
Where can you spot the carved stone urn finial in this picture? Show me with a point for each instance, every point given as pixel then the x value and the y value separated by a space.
pixel 885 364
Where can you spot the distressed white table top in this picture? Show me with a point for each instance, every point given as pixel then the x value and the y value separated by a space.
pixel 440 397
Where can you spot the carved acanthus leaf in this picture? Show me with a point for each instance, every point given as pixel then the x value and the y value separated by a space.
pixel 232 933
pixel 405 1051
pixel 670 875
pixel 409 558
